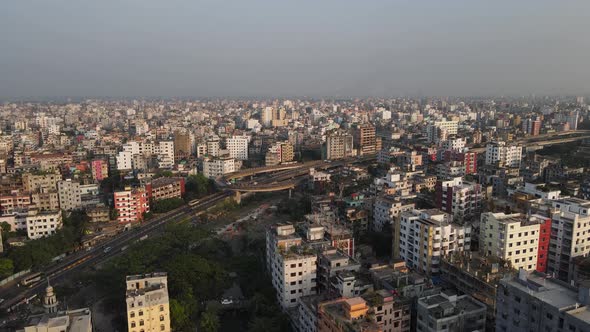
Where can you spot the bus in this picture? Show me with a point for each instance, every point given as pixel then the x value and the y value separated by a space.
pixel 31 280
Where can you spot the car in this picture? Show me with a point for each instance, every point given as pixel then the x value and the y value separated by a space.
pixel 227 301
pixel 107 249
pixel 1 300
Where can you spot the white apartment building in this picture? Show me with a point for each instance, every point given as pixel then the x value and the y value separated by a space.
pixel 511 237
pixel 69 194
pixel 213 148
pixel 41 223
pixel 238 147
pixel 148 307
pixel 454 144
pixel 291 264
pixel 507 155
pixel 426 235
pixel 124 160
pixel 218 166
pixel 163 150
pixel 387 209
pixel 440 130
pixel 570 236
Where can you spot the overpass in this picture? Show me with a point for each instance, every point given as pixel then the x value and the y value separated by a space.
pixel 534 141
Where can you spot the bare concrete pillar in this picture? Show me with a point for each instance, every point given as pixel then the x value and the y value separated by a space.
pixel 238 197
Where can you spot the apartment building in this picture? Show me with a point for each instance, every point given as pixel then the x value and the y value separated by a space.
pixel 447 311
pixel 14 201
pixel 100 169
pixel 79 320
pixel 131 204
pixel 454 144
pixel 329 263
pixel 461 199
pixel 345 315
pixel 339 145
pixel 238 147
pixel 183 147
pixel 426 235
pixel 439 131
pixel 516 238
pixel 45 199
pixel 477 276
pixel 69 194
pixel 128 158
pixel 365 140
pixel 43 180
pixel 165 187
pixel 503 154
pixel 533 302
pixel 291 263
pixel 278 153
pixel 387 209
pixel 218 166
pixel 148 307
pixel 391 313
pixel 467 159
pixel 39 223
pixel 570 236
pixel 213 147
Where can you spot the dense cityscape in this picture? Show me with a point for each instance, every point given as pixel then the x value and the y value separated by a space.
pixel 366 214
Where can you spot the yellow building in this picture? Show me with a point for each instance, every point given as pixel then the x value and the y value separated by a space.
pixel 147 303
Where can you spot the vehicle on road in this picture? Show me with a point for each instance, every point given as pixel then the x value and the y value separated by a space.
pixel 107 249
pixel 227 301
pixel 31 280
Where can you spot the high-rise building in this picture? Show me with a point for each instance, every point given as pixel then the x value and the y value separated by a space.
pixel 213 147
pixel 533 302
pixel 426 235
pixel 148 307
pixel 182 145
pixel 503 155
pixel 278 153
pixel 439 131
pixel 69 194
pixel 100 169
pixel 238 147
pixel 131 204
pixel 291 264
pixel 339 144
pixel 519 239
pixel 461 199
pixel 365 140
pixel 570 236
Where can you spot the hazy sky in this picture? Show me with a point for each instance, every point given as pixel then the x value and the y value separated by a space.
pixel 283 47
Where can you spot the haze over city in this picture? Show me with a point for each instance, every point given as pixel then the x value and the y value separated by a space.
pixel 297 166
pixel 293 48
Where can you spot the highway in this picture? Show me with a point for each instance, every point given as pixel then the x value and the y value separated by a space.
pixel 14 295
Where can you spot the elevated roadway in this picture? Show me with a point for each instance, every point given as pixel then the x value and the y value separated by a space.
pixel 14 295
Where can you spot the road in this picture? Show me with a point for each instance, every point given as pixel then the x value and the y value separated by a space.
pixel 64 269
pixel 289 178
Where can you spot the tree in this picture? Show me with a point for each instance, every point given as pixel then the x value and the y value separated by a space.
pixel 6 267
pixel 198 186
pixel 165 205
pixel 5 228
pixel 179 317
pixel 209 321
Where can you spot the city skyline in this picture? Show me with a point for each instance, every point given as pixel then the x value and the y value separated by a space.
pixel 262 48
